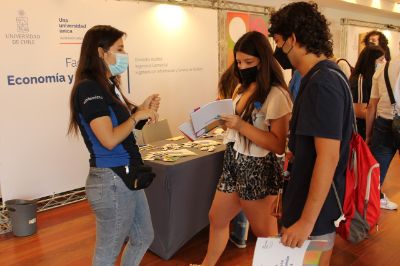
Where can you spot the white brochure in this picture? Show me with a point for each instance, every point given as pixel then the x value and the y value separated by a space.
pixel 270 251
pixel 206 117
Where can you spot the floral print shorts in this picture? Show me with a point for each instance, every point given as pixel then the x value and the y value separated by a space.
pixel 251 177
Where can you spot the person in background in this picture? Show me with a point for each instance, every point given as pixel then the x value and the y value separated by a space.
pixel 379 122
pixel 227 83
pixel 105 119
pixel 240 225
pixel 240 230
pixel 320 128
pixel 294 84
pixel 378 38
pixel 251 175
pixel 370 58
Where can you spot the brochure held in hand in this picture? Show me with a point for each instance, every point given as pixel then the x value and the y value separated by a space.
pixel 206 118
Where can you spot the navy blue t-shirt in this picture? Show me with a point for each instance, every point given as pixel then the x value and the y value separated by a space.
pixel 92 102
pixel 322 109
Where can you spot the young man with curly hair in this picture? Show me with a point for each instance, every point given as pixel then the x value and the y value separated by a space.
pixel 320 129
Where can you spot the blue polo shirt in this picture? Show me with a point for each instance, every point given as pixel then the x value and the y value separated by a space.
pixel 92 101
pixel 322 109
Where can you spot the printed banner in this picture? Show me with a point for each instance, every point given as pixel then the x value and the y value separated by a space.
pixel 172 51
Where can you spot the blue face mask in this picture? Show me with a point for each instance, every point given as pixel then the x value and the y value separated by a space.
pixel 121 64
pixel 378 65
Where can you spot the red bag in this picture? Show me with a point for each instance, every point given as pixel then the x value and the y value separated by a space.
pixel 361 209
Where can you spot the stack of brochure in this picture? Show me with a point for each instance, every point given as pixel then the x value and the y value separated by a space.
pixel 206 118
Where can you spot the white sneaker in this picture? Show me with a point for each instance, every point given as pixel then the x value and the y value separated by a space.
pixel 387 204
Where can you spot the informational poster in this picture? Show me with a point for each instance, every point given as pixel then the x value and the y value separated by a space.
pixel 238 23
pixel 172 51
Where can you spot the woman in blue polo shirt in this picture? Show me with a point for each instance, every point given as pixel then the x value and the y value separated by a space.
pixel 106 119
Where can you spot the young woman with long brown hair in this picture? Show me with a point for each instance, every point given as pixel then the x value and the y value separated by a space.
pixel 256 132
pixel 105 119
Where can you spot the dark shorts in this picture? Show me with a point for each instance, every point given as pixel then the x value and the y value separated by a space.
pixel 251 177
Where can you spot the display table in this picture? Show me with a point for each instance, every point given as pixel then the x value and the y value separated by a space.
pixel 180 197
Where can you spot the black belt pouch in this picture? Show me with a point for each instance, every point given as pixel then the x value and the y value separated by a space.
pixel 135 177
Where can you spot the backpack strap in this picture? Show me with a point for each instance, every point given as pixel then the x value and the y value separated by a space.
pixel 387 82
pixel 360 86
pixel 341 75
pixel 342 216
pixel 389 87
pixel 343 59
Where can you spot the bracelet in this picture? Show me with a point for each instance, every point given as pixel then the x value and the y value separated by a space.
pixel 132 118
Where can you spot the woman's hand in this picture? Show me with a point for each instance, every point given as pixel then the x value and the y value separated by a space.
pixel 145 114
pixel 152 102
pixel 232 121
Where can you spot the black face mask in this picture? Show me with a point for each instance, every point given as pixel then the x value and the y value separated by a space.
pixel 282 58
pixel 248 75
